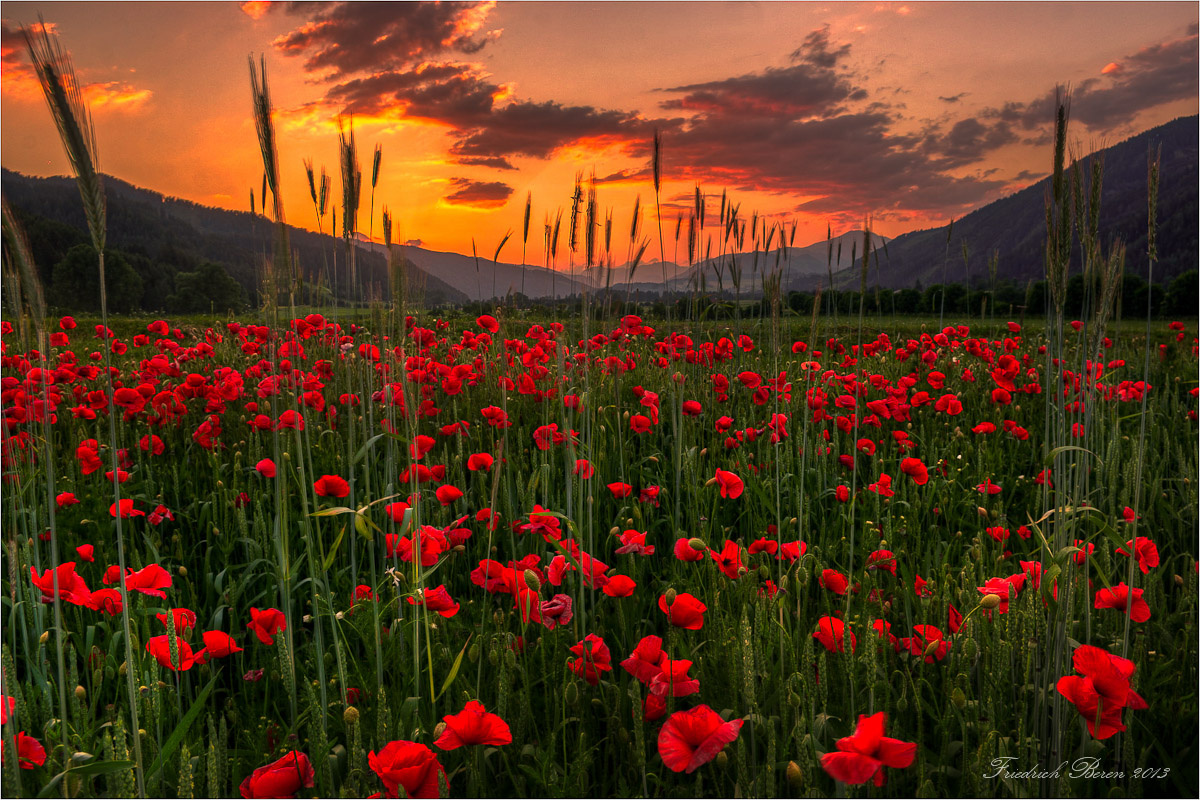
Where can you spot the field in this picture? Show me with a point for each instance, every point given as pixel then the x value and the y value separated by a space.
pixel 775 557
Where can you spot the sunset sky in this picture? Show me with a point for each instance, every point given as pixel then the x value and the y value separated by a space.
pixel 822 113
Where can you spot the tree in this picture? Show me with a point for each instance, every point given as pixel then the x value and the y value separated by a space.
pixel 76 282
pixel 1182 295
pixel 209 287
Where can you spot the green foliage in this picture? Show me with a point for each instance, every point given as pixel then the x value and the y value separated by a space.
pixel 76 281
pixel 208 288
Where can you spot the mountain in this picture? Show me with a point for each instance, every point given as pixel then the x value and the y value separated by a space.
pixel 1014 227
pixel 167 235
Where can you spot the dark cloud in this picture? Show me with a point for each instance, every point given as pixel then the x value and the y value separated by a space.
pixel 954 98
pixel 491 162
pixel 1161 73
pixel 537 130
pixel 969 140
pixel 627 176
pixel 480 194
pixel 812 86
pixel 414 242
pixel 341 39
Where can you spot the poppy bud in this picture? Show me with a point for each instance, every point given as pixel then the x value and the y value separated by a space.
pixel 958 698
pixel 183 572
pixel 614 531
pixel 531 580
pixel 710 482
pixel 45 637
pixel 652 460
pixel 350 715
pixel 696 543
pixel 144 690
pixel 458 548
pixel 669 597
pixel 220 484
pixel 989 601
pixel 438 730
pixel 704 452
pixel 932 648
pixel 473 653
pixel 764 572
pixel 494 658
pixel 572 693
pixel 794 777
pixel 902 703
pixel 722 760
pixel 983 512
pixel 1179 580
pixel 792 521
pixel 970 649
pixel 123 669
pixel 80 693
pixel 287 456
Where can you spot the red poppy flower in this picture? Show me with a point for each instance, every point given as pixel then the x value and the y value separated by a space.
pixel 927 637
pixel 446 495
pixel 437 600
pixel 282 778
pixel 66 499
pixel 477 462
pixel 218 644
pixel 1145 551
pixel 593 658
pixel 266 468
pixel 948 404
pixel 160 648
pixel 1118 597
pixel 396 511
pixel 729 560
pixel 791 551
pixel 640 423
pixel 1103 692
pixel 863 756
pixel 955 619
pixel 916 470
pixel 884 629
pixel 489 323
pixel 331 486
pixel 882 560
pixel 185 620
pixel 266 624
pixel 149 580
pixel 987 487
pixel 30 752
pixel 831 632
pixel 473 725
pixel 685 552
pixel 620 490
pixel 71 586
pixel 731 485
pixel 619 586
pixel 646 660
pixel 691 408
pixel 690 739
pixel 834 581
pixel 673 680
pixel 127 509
pixel 584 469
pixel 107 601
pixel 685 611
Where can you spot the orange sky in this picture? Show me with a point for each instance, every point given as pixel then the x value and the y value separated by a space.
pixel 819 113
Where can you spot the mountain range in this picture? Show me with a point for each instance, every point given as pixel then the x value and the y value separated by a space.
pixel 170 235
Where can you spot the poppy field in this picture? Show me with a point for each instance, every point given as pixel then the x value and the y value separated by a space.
pixel 385 555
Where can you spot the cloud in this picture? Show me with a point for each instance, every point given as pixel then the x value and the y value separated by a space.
pixel 256 9
pixel 492 162
pixel 341 39
pixel 21 81
pixel 478 194
pixel 1161 73
pixel 414 242
pixel 954 98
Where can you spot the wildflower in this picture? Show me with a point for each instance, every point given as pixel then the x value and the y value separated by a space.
pixel 266 624
pixel 689 739
pixel 684 611
pixel 1103 692
pixel 282 778
pixel 863 756
pixel 731 485
pixel 593 658
pixel 831 633
pixel 1118 598
pixel 331 486
pixel 1144 550
pixel 473 725
pixel 437 600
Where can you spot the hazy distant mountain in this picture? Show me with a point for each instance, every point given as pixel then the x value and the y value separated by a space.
pixel 1015 226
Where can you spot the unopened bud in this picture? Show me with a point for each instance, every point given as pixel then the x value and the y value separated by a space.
pixel 45 637
pixel 614 531
pixel 958 698
pixel 80 693
pixel 696 543
pixel 989 601
pixel 669 597
pixel 438 730
pixel 572 694
pixel 710 482
pixel 183 572
pixel 532 580
pixel 932 647
pixel 350 715
pixel 981 511
pixel 794 776
pixel 722 760
pixel 1179 580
